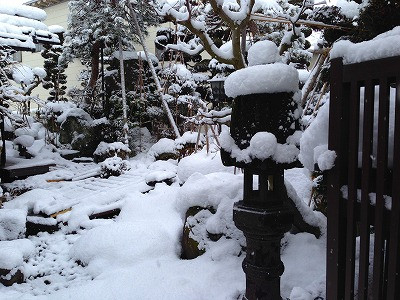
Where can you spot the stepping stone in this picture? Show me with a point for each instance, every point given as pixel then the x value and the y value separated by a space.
pixel 36 224
pixel 160 176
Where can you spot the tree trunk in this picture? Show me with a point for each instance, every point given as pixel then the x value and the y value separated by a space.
pixel 123 91
pixel 94 74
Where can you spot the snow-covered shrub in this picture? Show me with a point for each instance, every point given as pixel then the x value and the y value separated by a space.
pixel 106 150
pixel 12 224
pixel 187 143
pixel 113 166
pixel 164 149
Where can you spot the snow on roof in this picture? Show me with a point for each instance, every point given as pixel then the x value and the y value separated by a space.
pixel 23 11
pixel 21 27
pixel 22 22
pixel 384 45
pixel 152 57
pixel 43 3
pixel 273 78
pixel 126 55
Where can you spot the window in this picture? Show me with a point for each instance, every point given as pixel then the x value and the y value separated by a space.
pixel 17 56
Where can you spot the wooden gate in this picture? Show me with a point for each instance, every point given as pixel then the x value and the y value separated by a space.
pixel 363 242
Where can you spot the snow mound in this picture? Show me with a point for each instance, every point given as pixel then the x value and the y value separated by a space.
pixel 384 45
pixel 37 201
pixel 263 145
pixel 189 138
pixel 158 176
pixel 208 190
pixel 164 145
pixel 22 74
pixel 13 253
pixel 24 140
pixel 263 52
pixel 12 224
pixel 202 163
pixel 273 78
pixel 122 244
pixel 26 131
pixel 104 148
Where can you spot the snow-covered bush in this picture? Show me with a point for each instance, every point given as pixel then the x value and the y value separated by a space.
pixel 113 166
pixel 12 224
pixel 106 150
pixel 164 149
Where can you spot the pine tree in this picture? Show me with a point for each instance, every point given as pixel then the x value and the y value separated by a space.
pixel 95 25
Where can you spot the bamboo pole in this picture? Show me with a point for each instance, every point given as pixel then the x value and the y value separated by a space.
pixel 123 91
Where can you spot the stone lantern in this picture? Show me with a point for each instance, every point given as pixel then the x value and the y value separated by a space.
pixel 263 117
pixel 218 91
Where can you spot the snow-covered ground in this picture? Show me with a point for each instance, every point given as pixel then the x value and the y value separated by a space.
pixel 136 255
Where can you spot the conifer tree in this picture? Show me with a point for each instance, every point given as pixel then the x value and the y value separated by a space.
pixel 56 78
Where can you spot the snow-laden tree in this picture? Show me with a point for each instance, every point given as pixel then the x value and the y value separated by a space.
pixel 204 18
pixel 95 25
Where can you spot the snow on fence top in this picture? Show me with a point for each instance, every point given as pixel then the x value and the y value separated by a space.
pixel 23 11
pixel 384 45
pixel 273 78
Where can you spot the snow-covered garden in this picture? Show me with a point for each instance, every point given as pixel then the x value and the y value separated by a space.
pixel 132 185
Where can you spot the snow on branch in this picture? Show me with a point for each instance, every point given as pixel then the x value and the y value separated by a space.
pixel 186 48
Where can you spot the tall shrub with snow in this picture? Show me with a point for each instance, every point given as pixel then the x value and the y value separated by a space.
pixel 113 166
pixel 56 78
pixel 184 91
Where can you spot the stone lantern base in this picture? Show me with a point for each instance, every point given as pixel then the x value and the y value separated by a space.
pixel 263 229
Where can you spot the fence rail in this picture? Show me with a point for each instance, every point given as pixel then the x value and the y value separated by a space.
pixel 363 253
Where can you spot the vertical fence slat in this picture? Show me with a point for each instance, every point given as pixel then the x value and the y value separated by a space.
pixel 335 255
pixel 352 188
pixel 383 123
pixel 365 184
pixel 394 245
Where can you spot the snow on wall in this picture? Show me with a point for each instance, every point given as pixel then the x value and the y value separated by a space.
pixel 273 78
pixel 384 45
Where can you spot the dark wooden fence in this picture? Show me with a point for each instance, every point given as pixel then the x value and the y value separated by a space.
pixel 363 246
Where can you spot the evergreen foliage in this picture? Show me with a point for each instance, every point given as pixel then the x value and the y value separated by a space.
pixel 377 17
pixel 56 79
